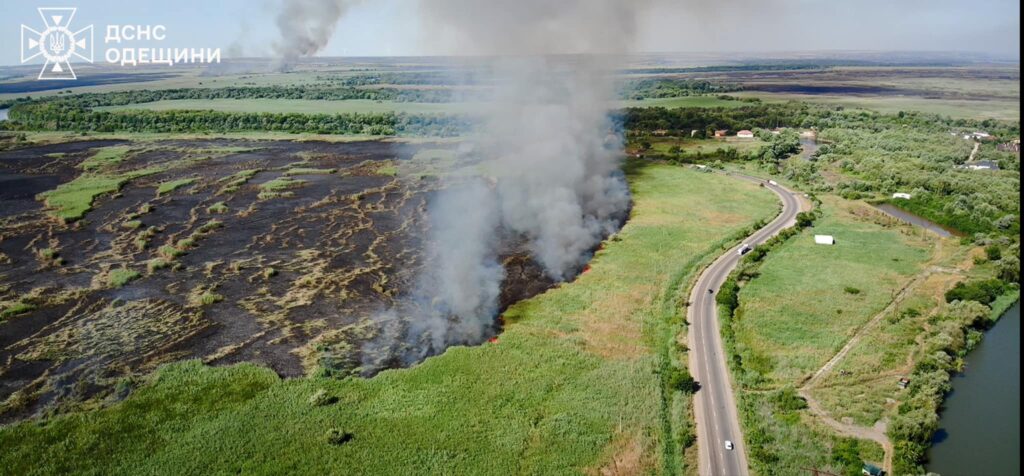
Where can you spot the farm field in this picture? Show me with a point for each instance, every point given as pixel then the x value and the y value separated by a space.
pixel 580 361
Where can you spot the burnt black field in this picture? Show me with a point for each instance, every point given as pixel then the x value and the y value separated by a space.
pixel 287 280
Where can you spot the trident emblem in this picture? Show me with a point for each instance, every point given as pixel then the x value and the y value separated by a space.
pixel 57 43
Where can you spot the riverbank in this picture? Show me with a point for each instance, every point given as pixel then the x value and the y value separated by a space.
pixel 979 427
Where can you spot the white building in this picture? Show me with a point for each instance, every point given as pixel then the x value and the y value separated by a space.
pixel 745 134
pixel 905 196
pixel 824 239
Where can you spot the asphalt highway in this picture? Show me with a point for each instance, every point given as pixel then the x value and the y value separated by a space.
pixel 714 404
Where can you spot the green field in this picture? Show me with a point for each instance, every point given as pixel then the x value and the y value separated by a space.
pixel 300 106
pixel 809 299
pixel 571 385
pixel 705 146
pixel 999 108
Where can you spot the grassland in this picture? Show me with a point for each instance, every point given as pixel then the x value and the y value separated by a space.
pixel 172 185
pixel 705 146
pixel 72 200
pixel 804 304
pixel 571 384
pixel 998 108
pixel 301 106
pixel 809 298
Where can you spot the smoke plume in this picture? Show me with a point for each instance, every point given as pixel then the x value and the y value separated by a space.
pixel 551 152
pixel 306 26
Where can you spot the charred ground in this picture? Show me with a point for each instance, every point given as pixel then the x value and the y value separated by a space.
pixel 225 250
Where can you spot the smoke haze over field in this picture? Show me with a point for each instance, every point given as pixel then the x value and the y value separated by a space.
pixel 550 152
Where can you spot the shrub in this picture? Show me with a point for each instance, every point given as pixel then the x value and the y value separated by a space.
pixel 681 380
pixel 156 264
pixel 219 207
pixel 15 308
pixel 993 252
pixel 851 290
pixel 338 437
pixel 788 400
pixel 320 398
pixel 169 252
pixel 210 226
pixel 984 291
pixel 119 277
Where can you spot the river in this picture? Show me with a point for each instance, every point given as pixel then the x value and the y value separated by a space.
pixel 3 114
pixel 913 219
pixel 979 430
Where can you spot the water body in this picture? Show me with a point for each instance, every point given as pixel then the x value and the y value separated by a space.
pixel 808 146
pixel 979 431
pixel 913 219
pixel 3 114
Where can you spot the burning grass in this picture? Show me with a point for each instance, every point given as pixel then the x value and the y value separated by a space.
pixel 546 398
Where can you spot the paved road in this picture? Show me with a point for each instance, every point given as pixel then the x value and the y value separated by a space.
pixel 714 403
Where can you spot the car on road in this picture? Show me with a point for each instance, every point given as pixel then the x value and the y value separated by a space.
pixel 728 445
pixel 744 249
pixel 772 182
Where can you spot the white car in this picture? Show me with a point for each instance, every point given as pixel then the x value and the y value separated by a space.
pixel 744 249
pixel 728 445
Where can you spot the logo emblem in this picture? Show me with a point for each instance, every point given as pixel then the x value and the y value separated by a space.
pixel 57 43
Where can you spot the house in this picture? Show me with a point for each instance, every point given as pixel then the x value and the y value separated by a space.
pixel 871 470
pixel 824 239
pixel 905 196
pixel 661 132
pixel 720 134
pixel 745 134
pixel 980 165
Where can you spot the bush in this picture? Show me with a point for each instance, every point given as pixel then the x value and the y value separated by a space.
pixel 984 291
pixel 338 437
pixel 851 290
pixel 119 277
pixel 993 252
pixel 788 400
pixel 320 398
pixel 681 380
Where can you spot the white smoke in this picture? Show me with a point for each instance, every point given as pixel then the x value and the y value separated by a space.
pixel 547 138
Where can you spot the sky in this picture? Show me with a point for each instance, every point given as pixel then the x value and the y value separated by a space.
pixel 393 27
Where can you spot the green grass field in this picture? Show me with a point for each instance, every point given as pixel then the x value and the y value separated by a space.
pixel 705 146
pixel 809 299
pixel 570 386
pixel 998 108
pixel 302 106
pixel 368 106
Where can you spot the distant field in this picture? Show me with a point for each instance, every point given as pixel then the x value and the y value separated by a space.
pixel 302 106
pixel 571 385
pixel 689 101
pixel 1002 109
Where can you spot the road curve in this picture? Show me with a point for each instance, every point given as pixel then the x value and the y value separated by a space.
pixel 714 404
